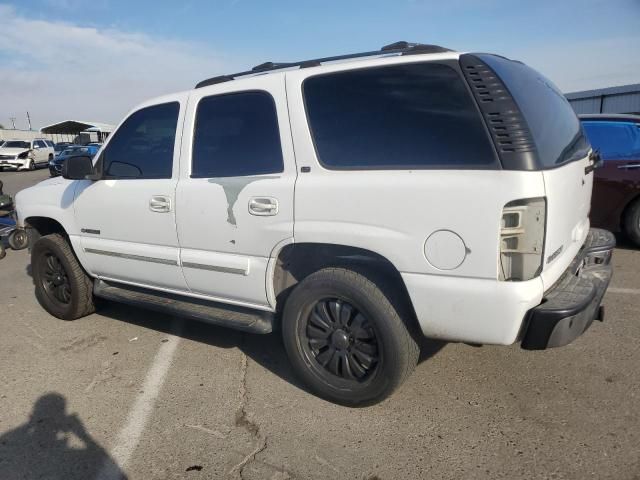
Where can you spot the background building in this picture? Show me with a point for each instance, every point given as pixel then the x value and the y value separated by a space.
pixel 82 132
pixel 623 99
pixel 11 134
pixel 66 131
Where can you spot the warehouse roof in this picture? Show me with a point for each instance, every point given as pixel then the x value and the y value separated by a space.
pixel 634 88
pixel 76 126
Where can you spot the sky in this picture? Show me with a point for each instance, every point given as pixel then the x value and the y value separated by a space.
pixel 95 60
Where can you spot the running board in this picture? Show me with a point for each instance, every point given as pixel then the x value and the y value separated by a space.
pixel 239 318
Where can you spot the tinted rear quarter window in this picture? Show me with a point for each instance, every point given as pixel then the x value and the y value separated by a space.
pixel 554 125
pixel 143 146
pixel 408 116
pixel 615 140
pixel 236 134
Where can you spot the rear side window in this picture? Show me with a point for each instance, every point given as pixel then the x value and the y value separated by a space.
pixel 142 147
pixel 236 135
pixel 615 140
pixel 553 124
pixel 417 115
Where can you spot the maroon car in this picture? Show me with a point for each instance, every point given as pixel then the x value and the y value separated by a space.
pixel 615 204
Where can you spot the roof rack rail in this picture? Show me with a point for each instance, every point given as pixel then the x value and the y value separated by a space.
pixel 399 48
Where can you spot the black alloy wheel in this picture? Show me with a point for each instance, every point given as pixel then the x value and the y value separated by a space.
pixel 55 281
pixel 348 336
pixel 341 340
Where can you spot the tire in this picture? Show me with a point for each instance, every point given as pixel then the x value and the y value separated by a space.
pixel 62 287
pixel 32 165
pixel 632 223
pixel 346 339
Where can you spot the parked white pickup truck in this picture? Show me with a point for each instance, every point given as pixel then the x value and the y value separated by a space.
pixel 357 202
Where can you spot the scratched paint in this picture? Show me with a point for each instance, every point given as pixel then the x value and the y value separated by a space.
pixel 232 187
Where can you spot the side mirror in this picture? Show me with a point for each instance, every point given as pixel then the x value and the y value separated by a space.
pixel 77 168
pixel 36 147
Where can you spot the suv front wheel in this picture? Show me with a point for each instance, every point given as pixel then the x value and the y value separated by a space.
pixel 345 338
pixel 62 287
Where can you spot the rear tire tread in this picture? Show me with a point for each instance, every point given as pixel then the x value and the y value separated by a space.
pixel 632 222
pixel 394 310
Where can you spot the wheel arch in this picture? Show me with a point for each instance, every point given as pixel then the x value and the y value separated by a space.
pixel 37 227
pixel 296 261
pixel 625 211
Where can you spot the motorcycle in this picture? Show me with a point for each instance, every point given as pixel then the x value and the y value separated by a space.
pixel 16 237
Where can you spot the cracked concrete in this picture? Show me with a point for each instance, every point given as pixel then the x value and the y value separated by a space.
pixel 242 420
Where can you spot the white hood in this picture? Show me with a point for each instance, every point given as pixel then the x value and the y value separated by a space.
pixel 13 151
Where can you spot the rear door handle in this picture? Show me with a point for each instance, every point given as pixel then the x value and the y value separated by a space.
pixel 263 206
pixel 160 204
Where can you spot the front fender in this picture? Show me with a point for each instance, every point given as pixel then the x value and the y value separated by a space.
pixel 52 199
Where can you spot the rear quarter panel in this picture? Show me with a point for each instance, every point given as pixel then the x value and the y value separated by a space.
pixel 393 212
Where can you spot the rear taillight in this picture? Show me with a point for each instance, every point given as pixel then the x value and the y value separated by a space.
pixel 522 239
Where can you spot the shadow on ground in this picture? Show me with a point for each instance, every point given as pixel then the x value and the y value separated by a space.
pixel 266 350
pixel 623 242
pixel 53 444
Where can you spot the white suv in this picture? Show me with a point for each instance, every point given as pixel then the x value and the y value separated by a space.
pixel 26 154
pixel 358 203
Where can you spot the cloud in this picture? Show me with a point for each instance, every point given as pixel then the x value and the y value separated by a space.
pixel 74 5
pixel 58 70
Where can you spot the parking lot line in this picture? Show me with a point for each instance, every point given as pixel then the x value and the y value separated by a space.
pixel 130 434
pixel 630 291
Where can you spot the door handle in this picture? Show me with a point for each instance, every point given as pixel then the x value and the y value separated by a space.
pixel 263 206
pixel 160 204
pixel 629 166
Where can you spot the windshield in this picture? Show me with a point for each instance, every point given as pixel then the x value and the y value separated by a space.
pixel 555 128
pixel 16 144
pixel 69 151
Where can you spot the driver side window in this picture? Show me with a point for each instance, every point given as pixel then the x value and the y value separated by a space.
pixel 142 148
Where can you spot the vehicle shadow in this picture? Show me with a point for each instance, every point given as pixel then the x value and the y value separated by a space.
pixel 53 444
pixel 623 242
pixel 267 350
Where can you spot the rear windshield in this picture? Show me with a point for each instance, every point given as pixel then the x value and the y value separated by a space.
pixel 554 125
pixel 417 115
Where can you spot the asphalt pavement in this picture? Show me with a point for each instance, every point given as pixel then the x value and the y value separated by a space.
pixel 128 393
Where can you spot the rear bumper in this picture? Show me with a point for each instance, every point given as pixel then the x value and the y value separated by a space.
pixel 569 307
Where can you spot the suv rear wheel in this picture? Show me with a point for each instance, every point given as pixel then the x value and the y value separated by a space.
pixel 346 339
pixel 62 287
pixel 632 223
